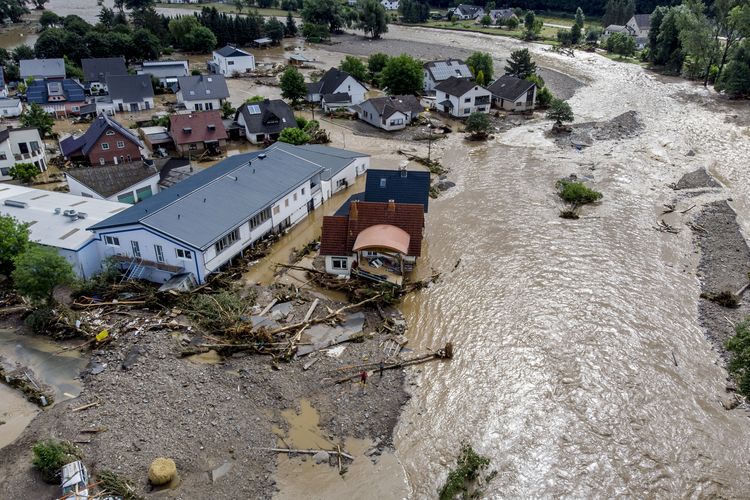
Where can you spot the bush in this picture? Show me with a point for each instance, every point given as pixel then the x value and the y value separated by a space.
pixel 739 361
pixel 470 464
pixel 560 111
pixel 38 271
pixel 478 126
pixel 294 136
pixel 576 193
pixel 51 455
pixel 301 121
pixel 219 311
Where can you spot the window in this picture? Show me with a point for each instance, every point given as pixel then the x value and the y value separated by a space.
pixel 467 111
pixel 468 99
pixel 3 156
pixel 295 196
pixel 209 106
pixel 260 218
pixel 230 63
pixel 112 241
pixel 35 146
pixel 127 198
pixel 339 263
pixel 110 132
pixel 276 210
pixel 193 147
pixel 4 171
pixel 341 183
pixel 518 104
pixel 199 106
pixel 143 193
pixel 303 191
pixel 183 254
pixel 120 144
pixel 286 202
pixel 105 146
pixel 136 249
pixel 227 240
pixel 102 161
pixel 159 251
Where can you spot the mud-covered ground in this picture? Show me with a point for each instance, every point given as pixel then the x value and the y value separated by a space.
pixel 205 411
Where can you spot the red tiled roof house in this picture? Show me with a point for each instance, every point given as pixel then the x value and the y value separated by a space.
pixel 196 132
pixel 376 241
pixel 106 142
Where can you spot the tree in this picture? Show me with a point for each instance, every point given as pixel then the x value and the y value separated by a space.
pixel 575 34
pixel 326 13
pixel 580 18
pixel 291 27
pixel 520 64
pixel 481 62
pixel 559 111
pixel 355 67
pixel 315 32
pixel 665 47
pixel 512 23
pixel 618 12
pixel 39 4
pixel 24 172
pixel 698 39
pixel 478 126
pixel 565 37
pixel 735 79
pixel 733 24
pixel 15 240
pixel 23 52
pixel 739 360
pixel 201 40
pixel 592 35
pixel 227 111
pixel 402 75
pixel 486 20
pixel 181 27
pixel 275 30
pixel 372 18
pixel 414 11
pixel 148 45
pixel 293 85
pixel 34 116
pixel 376 62
pixel 294 136
pixel 620 43
pixel 139 5
pixel 255 99
pixel 532 25
pixel 49 19
pixel 38 271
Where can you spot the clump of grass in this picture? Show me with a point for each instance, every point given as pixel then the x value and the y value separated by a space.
pixel 463 478
pixel 724 299
pixel 576 193
pixel 739 361
pixel 50 455
pixel 118 485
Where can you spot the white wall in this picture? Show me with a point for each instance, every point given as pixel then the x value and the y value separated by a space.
pixel 145 104
pixel 79 189
pixel 341 272
pixel 461 108
pixel 12 111
pixel 288 207
pixel 202 105
pixel 354 89
pixel 228 66
pixel 349 174
pixel 6 159
pixel 11 147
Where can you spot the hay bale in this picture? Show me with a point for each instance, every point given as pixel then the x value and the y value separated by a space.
pixel 162 471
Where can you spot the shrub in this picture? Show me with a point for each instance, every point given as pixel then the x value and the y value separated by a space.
pixel 38 271
pixel 51 455
pixel 301 121
pixel 739 361
pixel 576 193
pixel 470 464
pixel 294 136
pixel 559 111
pixel 478 126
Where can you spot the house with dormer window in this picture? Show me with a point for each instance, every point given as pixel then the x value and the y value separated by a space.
pixel 202 92
pixel 263 121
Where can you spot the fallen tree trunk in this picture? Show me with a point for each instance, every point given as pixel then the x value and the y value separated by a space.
pixel 445 353
pixel 308 452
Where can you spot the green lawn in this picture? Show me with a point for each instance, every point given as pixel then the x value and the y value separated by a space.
pixel 224 7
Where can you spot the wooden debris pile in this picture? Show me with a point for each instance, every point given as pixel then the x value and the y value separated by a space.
pixel 20 379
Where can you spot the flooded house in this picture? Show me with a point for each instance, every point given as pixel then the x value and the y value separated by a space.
pixel 130 93
pixel 230 61
pixel 460 97
pixel 198 133
pixel 336 88
pixel 105 142
pixel 166 72
pixel 513 94
pixel 263 121
pixel 202 92
pixel 389 112
pixel 21 145
pixel 96 71
pixel 439 71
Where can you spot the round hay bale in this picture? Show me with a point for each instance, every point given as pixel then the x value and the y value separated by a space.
pixel 162 471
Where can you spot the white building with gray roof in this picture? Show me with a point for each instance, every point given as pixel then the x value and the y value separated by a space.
pixel 41 69
pixel 202 92
pixel 439 71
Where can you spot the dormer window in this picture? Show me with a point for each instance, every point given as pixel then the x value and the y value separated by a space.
pixel 110 132
pixel 186 130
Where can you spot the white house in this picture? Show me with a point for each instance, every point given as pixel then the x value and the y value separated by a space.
pixel 167 72
pixel 21 145
pixel 127 183
pixel 61 221
pixel 335 81
pixel 202 92
pixel 465 12
pixel 198 225
pixel 390 112
pixel 460 97
pixel 10 107
pixel 230 61
pixel 130 93
pixel 513 94
pixel 390 4
pixel 439 71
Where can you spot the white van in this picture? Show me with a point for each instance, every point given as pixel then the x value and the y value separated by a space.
pixel 75 480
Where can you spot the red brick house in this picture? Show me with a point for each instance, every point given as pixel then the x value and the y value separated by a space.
pixel 374 240
pixel 106 142
pixel 196 132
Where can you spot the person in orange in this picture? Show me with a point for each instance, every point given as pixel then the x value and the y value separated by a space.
pixel 363 381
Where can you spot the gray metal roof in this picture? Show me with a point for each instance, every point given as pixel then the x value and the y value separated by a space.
pixel 456 86
pixel 201 87
pixel 97 70
pixel 130 88
pixel 269 116
pixel 509 87
pixel 206 206
pixel 229 51
pixel 42 68
pixel 442 70
pixel 331 160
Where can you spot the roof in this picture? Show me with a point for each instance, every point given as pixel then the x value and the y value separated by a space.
pixel 340 232
pixel 401 186
pixel 205 126
pixel 502 13
pixel 130 88
pixel 383 236
pixel 643 21
pixel 83 143
pixel 109 180
pixel 339 97
pixel 97 70
pixel 468 10
pixel 39 91
pixel 173 170
pixel 298 57
pixel 442 70
pixel 229 51
pixel 42 68
pixel 388 105
pixel 331 160
pixel 263 41
pixel 165 69
pixel 510 87
pixel 207 205
pixel 56 230
pixel 456 86
pixel 269 116
pixel 330 82
pixel 199 87
pixel 616 28
pixel 9 102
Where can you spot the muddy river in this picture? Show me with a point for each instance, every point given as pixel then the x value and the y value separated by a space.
pixel 567 332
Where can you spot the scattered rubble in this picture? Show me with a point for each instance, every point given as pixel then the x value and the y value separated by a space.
pixel 624 126
pixel 697 179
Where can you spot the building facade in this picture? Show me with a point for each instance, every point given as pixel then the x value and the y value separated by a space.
pixel 21 145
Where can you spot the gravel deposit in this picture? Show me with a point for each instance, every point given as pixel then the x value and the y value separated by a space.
pixel 696 180
pixel 204 414
pixel 620 127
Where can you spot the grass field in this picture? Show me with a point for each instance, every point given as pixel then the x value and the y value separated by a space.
pixel 223 7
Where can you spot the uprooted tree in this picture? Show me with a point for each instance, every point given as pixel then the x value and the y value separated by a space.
pixel 739 361
pixel 575 194
pixel 467 479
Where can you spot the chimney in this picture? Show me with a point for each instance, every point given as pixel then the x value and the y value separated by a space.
pixel 391 206
pixel 353 211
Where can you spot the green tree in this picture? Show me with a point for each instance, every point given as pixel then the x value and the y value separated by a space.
pixel 575 34
pixel 478 126
pixel 275 30
pixel 14 242
pixel 372 18
pixel 315 32
pixel 291 27
pixel 35 116
pixel 402 75
pixel 49 19
pixel 565 37
pixel 414 11
pixel 255 99
pixel 51 455
pixel 227 110
pixel 580 18
pixel 293 84
pixel 38 271
pixel 735 79
pixel 532 25
pixel 543 95
pixel 181 27
pixel 559 111
pixel 621 44
pixel 294 136
pixel 665 47
pixel 698 39
pixel 375 64
pixel 512 23
pixel 148 45
pixel 618 12
pixel 481 62
pixel 327 13
pixel 23 52
pixel 739 358
pixel 593 34
pixel 486 20
pixel 201 40
pixel 355 67
pixel 24 172
pixel 520 64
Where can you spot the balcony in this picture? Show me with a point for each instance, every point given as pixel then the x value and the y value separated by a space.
pixel 35 153
pixel 482 100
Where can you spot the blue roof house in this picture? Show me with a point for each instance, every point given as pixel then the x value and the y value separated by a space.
pixel 59 97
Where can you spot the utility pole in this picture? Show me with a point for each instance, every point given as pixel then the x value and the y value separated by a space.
pixel 429 141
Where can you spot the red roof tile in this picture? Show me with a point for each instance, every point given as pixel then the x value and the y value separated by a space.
pixel 333 240
pixel 194 127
